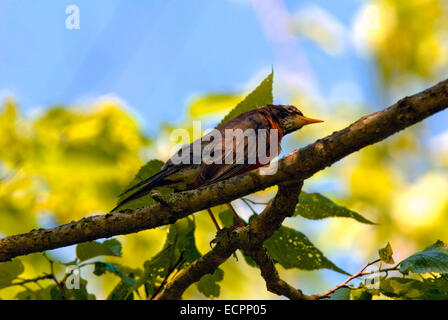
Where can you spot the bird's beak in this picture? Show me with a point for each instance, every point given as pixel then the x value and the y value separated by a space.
pixel 309 120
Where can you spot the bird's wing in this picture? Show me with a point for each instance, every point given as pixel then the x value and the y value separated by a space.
pixel 214 172
pixel 146 186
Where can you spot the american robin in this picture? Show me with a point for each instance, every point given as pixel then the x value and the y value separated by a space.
pixel 231 156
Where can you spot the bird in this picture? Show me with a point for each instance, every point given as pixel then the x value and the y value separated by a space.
pixel 190 174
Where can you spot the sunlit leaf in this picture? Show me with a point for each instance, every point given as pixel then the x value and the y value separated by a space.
pixel 402 288
pixel 121 292
pixel 92 249
pixel 340 294
pixel 53 292
pixel 9 271
pixel 316 206
pixel 360 294
pixel 124 290
pixel 212 103
pixel 433 258
pixel 292 249
pixel 180 240
pixel 48 293
pixel 102 267
pixel 81 293
pixel 386 254
pixel 261 96
pixel 404 50
pixel 181 235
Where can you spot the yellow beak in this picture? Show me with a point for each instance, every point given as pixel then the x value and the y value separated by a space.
pixel 309 120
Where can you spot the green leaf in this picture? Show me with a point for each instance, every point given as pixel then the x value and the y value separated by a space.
pixel 128 284
pixel 81 293
pixel 402 288
pixel 40 294
pixel 227 218
pixel 149 289
pixel 412 289
pixel 180 239
pixel 261 96
pixel 315 206
pixel 250 261
pixel 340 294
pixel 386 254
pixel 102 267
pixel 121 292
pixel 208 284
pixel 53 292
pixel 91 249
pixel 292 249
pixel 181 234
pixel 360 294
pixel 9 271
pixel 433 258
pixel 212 103
pixel 148 170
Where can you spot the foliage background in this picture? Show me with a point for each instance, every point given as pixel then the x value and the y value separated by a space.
pixel 83 110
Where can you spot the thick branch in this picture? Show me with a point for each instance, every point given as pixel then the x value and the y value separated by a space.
pixel 298 165
pixel 274 283
pixel 245 238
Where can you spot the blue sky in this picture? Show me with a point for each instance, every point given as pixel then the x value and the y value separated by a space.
pixel 156 55
pixel 153 54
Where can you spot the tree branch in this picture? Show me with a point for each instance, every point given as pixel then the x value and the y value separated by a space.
pixel 298 165
pixel 246 238
pixel 273 282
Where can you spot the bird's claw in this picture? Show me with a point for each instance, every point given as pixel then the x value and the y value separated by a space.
pixel 214 242
pixel 234 227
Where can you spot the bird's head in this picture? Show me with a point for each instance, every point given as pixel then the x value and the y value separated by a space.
pixel 291 118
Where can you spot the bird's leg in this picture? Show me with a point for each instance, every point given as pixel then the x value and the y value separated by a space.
pixel 210 213
pixel 239 222
pixel 213 219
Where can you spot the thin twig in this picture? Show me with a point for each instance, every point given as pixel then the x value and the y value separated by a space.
pixel 249 206
pixel 212 216
pixel 53 277
pixel 255 202
pixel 21 283
pixel 345 283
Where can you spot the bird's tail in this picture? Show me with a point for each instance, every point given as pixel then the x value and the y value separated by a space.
pixel 148 184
